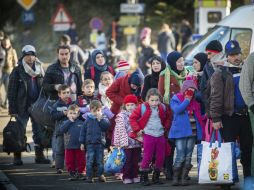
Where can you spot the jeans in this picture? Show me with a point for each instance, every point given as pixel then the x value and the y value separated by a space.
pixel 59 152
pixel 94 152
pixel 36 128
pixel 4 80
pixel 184 149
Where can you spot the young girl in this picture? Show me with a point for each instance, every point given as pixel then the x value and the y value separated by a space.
pixel 186 129
pixel 153 118
pixel 131 147
pixel 106 80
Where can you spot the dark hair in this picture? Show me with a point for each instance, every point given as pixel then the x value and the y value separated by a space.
pixel 153 92
pixel 63 47
pixel 65 38
pixel 62 87
pixel 73 107
pixel 95 104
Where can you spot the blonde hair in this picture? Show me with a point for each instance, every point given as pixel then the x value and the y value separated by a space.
pixel 73 107
pixel 87 82
pixel 106 73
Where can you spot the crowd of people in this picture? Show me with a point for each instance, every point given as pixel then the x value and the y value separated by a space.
pixel 154 118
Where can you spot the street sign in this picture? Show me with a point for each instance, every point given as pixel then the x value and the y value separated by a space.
pixel 129 20
pixel 129 30
pixel 27 4
pixel 28 17
pixel 132 8
pixel 61 20
pixel 96 23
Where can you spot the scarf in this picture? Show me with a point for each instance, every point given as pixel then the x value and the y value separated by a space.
pixel 38 69
pixel 167 73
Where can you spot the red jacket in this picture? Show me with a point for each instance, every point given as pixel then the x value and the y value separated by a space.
pixel 138 121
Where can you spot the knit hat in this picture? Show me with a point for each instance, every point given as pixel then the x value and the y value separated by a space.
pixel 188 84
pixel 202 58
pixel 28 50
pixel 214 46
pixel 123 65
pixel 130 99
pixel 136 78
pixel 232 47
pixel 172 58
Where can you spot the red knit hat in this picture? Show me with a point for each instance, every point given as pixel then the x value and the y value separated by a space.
pixel 123 65
pixel 130 99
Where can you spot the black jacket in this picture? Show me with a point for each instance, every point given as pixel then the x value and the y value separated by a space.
pixel 54 75
pixel 18 90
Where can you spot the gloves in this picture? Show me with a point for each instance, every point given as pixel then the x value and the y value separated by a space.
pixel 133 135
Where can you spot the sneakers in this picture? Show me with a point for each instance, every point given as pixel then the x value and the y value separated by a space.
pixel 81 176
pixel 102 178
pixel 53 164
pixel 136 180
pixel 127 181
pixel 73 176
pixel 59 171
pixel 90 180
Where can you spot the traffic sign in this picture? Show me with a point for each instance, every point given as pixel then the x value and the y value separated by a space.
pixel 27 4
pixel 132 8
pixel 129 30
pixel 129 20
pixel 96 23
pixel 61 20
pixel 28 17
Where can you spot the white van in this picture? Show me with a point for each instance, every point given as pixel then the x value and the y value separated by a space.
pixel 239 25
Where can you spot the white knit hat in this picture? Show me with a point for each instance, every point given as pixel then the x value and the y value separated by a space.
pixel 123 65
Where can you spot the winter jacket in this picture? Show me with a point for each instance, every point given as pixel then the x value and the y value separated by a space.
pixel 71 131
pixel 181 126
pixel 207 73
pixel 122 131
pixel 166 42
pixel 11 60
pixel 117 92
pixel 93 131
pixel 247 80
pixel 54 75
pixel 138 120
pixel 18 96
pixel 221 95
pixel 151 81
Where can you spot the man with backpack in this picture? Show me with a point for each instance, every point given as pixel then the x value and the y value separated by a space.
pixel 227 109
pixel 23 90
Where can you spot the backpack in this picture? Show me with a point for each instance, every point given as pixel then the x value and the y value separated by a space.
pixel 111 70
pixel 143 108
pixel 14 139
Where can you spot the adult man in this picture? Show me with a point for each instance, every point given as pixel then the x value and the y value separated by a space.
pixel 227 108
pixel 10 62
pixel 247 90
pixel 23 90
pixel 63 72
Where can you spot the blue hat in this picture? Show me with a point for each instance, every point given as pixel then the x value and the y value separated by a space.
pixel 232 47
pixel 172 58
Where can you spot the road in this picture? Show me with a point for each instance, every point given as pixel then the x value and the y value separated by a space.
pixel 32 176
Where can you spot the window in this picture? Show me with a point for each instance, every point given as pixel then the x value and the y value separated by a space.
pixel 213 17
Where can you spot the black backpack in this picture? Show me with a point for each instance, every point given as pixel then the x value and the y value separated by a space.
pixel 14 139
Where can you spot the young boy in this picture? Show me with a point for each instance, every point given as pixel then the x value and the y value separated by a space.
pixel 92 136
pixel 74 157
pixel 59 114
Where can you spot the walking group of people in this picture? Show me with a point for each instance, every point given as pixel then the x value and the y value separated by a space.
pixel 153 118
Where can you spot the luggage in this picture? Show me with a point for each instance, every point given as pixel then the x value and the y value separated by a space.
pixel 115 160
pixel 14 139
pixel 217 162
pixel 41 110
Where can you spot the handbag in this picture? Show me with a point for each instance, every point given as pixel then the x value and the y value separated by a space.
pixel 41 110
pixel 115 160
pixel 217 162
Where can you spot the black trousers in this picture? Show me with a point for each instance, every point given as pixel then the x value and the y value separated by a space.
pixel 239 126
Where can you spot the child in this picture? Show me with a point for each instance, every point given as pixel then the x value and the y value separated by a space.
pixel 154 121
pixel 131 147
pixel 88 89
pixel 92 137
pixel 185 129
pixel 105 81
pixel 123 67
pixel 59 114
pixel 74 157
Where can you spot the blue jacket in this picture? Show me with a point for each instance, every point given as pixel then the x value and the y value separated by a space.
pixel 93 131
pixel 181 126
pixel 72 132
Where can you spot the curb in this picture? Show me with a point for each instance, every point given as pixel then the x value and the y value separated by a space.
pixel 5 182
